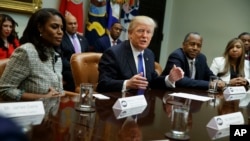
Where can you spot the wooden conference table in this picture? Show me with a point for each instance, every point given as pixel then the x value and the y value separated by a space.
pixel 63 123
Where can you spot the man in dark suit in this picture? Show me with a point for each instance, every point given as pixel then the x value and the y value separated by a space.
pixel 110 39
pixel 72 42
pixel 118 67
pixel 196 75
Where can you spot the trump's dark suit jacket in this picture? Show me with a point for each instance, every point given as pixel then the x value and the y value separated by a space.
pixel 67 49
pixel 202 75
pixel 103 43
pixel 117 64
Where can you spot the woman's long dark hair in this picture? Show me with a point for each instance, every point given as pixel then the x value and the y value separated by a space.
pixel 31 33
pixel 13 35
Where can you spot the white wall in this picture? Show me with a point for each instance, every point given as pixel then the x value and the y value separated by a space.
pixel 216 20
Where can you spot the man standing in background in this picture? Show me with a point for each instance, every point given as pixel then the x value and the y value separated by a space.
pixel 110 39
pixel 72 42
pixel 74 7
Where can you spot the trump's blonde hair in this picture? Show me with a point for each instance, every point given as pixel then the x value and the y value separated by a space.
pixel 141 20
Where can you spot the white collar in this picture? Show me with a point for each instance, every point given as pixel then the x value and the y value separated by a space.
pixel 71 35
pixel 190 60
pixel 135 51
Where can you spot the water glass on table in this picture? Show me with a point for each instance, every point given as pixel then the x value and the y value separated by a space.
pixel 86 100
pixel 179 121
pixel 213 84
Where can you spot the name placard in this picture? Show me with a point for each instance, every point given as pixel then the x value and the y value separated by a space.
pixel 245 101
pixel 235 90
pixel 233 93
pixel 128 112
pixel 234 97
pixel 17 109
pixel 224 121
pixel 130 102
pixel 29 120
pixel 216 134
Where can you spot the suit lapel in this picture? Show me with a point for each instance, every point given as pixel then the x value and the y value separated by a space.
pixel 70 43
pixel 118 41
pixel 107 42
pixel 81 42
pixel 186 63
pixel 197 67
pixel 129 55
pixel 147 65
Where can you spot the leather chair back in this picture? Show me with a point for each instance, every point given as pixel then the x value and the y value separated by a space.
pixel 3 63
pixel 84 68
pixel 158 68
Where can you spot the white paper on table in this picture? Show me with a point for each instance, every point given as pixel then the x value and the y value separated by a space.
pixel 100 96
pixel 161 140
pixel 191 96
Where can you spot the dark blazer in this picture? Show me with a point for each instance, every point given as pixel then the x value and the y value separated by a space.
pixel 103 43
pixel 202 75
pixel 67 49
pixel 117 64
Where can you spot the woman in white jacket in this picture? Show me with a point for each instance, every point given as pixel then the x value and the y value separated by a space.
pixel 232 68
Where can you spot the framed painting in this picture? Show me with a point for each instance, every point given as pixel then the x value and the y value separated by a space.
pixel 21 6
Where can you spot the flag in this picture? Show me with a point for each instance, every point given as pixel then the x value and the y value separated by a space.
pixel 96 23
pixel 75 7
pixel 129 10
pixel 113 13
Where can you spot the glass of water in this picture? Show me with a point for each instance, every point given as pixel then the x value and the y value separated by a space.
pixel 213 82
pixel 86 101
pixel 179 122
